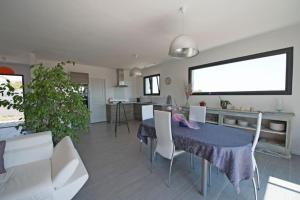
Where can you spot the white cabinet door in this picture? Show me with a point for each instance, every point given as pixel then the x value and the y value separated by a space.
pixel 97 100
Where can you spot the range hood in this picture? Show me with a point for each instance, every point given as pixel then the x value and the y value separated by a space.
pixel 120 78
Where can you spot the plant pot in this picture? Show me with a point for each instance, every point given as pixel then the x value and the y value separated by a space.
pixel 202 103
pixel 223 104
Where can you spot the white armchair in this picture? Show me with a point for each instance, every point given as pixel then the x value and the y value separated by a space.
pixel 30 161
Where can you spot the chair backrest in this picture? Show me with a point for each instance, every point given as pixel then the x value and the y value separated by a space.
pixel 147 112
pixel 197 113
pixel 165 146
pixel 257 134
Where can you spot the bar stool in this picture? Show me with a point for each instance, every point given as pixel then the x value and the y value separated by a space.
pixel 118 121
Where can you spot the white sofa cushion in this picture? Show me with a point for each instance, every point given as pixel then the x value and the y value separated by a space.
pixel 28 148
pixel 27 182
pixel 28 141
pixel 64 162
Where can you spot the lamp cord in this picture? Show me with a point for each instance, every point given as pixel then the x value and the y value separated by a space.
pixel 181 11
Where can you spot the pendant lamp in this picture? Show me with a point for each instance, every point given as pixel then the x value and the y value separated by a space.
pixel 183 46
pixel 135 72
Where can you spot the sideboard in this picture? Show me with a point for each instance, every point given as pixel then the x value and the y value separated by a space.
pixel 276 143
pixel 271 142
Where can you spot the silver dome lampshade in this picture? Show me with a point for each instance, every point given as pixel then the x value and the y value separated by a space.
pixel 135 72
pixel 183 47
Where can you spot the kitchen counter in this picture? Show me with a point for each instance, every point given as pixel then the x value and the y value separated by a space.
pixel 111 109
pixel 130 102
pixel 133 110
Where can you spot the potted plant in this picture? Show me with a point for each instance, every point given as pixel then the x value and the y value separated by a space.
pixel 188 92
pixel 202 103
pixel 52 102
pixel 224 103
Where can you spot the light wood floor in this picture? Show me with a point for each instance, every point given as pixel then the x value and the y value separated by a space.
pixel 119 171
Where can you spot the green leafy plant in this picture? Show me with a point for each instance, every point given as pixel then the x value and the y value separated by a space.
pixel 51 102
pixel 224 103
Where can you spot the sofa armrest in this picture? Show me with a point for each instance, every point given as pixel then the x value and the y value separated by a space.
pixel 28 148
pixel 74 184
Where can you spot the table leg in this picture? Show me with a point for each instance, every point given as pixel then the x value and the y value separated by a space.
pixel 151 152
pixel 116 122
pixel 203 178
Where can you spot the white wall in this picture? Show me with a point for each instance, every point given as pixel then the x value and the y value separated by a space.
pixel 286 37
pixel 129 92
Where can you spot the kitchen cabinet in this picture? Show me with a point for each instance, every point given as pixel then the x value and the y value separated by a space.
pixel 137 109
pixel 111 112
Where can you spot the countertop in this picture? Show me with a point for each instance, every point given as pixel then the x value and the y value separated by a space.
pixel 139 103
pixel 130 102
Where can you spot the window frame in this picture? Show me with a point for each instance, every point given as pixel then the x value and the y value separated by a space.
pixel 151 89
pixel 23 93
pixel 288 79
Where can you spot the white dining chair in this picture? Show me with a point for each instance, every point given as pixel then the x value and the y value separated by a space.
pixel 254 163
pixel 147 113
pixel 197 114
pixel 165 146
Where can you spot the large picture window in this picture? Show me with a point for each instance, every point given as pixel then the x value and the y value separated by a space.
pixel 8 117
pixel 260 74
pixel 151 85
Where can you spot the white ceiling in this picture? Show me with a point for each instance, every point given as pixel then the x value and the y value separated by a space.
pixel 108 32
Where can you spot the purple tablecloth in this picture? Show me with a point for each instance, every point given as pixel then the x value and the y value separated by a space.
pixel 229 149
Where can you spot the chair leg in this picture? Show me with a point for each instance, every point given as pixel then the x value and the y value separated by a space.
pixel 192 161
pixel 170 171
pixel 141 143
pixel 209 178
pixel 254 186
pixel 154 156
pixel 258 180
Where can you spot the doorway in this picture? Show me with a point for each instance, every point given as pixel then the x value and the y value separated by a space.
pixel 97 100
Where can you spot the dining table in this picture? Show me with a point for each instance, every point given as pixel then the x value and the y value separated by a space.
pixel 227 148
